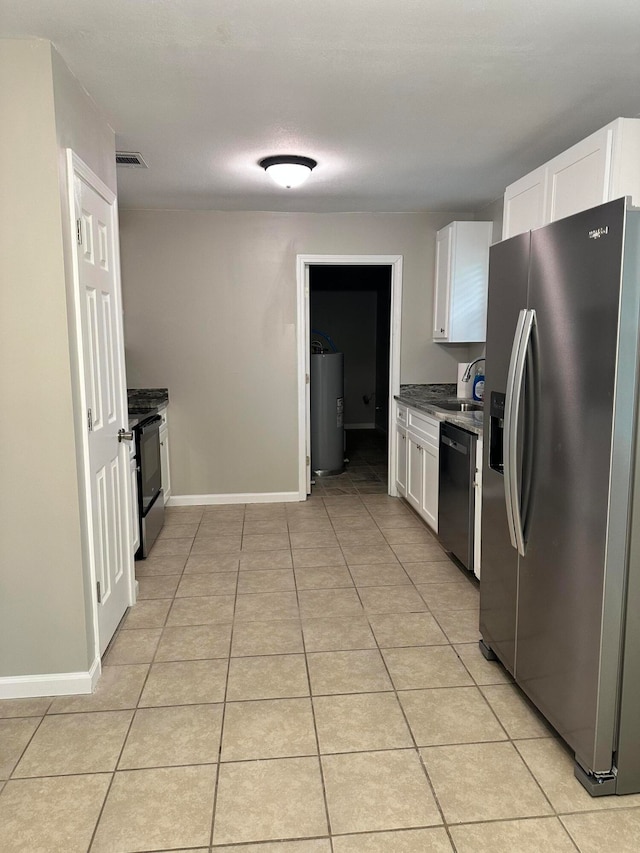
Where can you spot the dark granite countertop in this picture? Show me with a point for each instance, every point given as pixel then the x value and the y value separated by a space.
pixel 425 398
pixel 146 401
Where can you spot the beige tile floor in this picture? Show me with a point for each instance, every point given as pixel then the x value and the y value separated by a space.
pixel 299 678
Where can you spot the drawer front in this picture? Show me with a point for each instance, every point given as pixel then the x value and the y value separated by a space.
pixel 401 415
pixel 424 427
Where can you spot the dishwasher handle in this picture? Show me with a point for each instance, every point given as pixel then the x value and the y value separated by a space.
pixel 454 445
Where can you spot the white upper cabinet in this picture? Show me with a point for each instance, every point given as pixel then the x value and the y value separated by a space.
pixel 460 287
pixel 525 204
pixel 580 177
pixel 600 168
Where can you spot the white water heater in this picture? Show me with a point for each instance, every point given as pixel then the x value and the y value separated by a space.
pixel 327 413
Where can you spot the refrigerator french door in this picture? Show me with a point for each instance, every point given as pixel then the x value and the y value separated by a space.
pixel 558 564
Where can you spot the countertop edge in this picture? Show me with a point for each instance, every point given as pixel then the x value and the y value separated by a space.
pixel 143 402
pixel 471 421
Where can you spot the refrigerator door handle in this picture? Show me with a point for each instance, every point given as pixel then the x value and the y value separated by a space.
pixel 512 412
pixel 530 427
pixel 509 453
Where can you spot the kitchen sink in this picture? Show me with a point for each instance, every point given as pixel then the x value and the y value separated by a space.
pixel 458 406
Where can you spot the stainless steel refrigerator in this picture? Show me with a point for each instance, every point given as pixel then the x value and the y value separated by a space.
pixel 560 587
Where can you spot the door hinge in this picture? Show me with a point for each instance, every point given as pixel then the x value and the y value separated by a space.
pixel 79 231
pixel 306 378
pixel 308 461
pixel 89 420
pixel 99 592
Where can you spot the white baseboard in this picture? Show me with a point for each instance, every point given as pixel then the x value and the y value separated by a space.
pixel 237 498
pixel 360 426
pixel 51 684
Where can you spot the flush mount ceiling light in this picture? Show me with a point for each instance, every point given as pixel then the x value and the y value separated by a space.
pixel 288 170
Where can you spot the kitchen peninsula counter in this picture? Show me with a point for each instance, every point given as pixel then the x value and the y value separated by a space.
pixel 144 401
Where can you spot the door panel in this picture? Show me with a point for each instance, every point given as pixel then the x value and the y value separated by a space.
pixel 414 473
pixel 524 204
pixel 508 283
pixel 574 290
pixel 442 283
pixel 579 178
pixel 105 387
pixel 401 460
pixel 430 476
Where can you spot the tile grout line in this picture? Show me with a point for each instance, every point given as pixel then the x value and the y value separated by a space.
pixel 555 813
pixel 386 668
pixel 133 716
pixel 416 749
pixel 312 707
pixel 27 745
pixel 508 740
pixel 224 705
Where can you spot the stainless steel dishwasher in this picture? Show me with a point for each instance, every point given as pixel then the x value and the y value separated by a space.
pixel 456 497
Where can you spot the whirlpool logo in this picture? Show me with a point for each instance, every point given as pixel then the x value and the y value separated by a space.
pixel 598 232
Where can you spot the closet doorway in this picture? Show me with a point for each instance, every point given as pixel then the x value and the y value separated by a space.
pixel 350 305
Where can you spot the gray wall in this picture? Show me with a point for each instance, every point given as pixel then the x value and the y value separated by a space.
pixel 43 605
pixel 210 312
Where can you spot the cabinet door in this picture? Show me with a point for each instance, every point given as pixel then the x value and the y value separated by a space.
pixel 579 178
pixel 430 483
pixel 164 463
pixel 401 460
pixel 525 204
pixel 414 473
pixel 442 284
pixel 135 522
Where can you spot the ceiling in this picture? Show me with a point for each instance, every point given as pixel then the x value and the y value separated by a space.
pixel 405 104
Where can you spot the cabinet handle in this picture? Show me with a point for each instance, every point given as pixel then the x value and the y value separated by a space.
pixel 442 331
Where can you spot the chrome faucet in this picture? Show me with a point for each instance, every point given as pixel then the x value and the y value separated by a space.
pixel 466 376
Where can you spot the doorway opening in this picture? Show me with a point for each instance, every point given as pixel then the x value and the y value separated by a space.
pixel 350 311
pixel 349 347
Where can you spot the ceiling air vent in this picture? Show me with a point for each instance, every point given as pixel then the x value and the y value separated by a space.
pixel 132 159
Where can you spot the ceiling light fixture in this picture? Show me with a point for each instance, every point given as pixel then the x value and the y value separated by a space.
pixel 288 170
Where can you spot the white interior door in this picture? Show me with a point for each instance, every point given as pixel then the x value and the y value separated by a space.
pixel 100 308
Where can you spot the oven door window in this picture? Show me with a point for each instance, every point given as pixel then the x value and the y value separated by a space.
pixel 150 472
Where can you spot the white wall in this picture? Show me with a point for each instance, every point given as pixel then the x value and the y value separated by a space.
pixel 210 312
pixel 43 599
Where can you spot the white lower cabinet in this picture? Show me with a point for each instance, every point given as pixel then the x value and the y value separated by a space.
pixel 418 470
pixel 164 456
pixel 430 482
pixel 417 462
